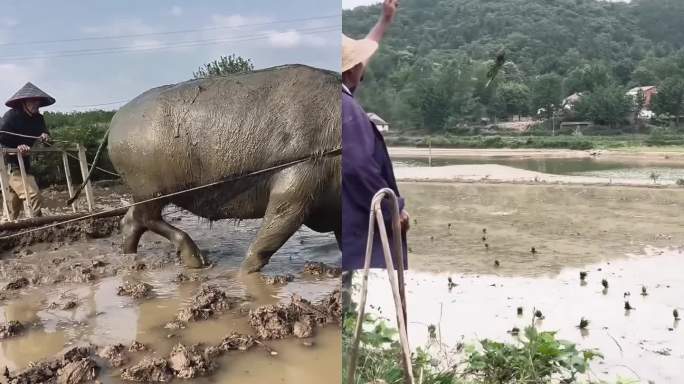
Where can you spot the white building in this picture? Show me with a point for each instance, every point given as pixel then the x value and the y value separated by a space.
pixel 382 125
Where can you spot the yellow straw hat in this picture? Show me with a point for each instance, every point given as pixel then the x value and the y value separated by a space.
pixel 356 51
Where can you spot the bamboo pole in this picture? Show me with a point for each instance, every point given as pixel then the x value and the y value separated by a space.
pixel 67 176
pixel 22 170
pixel 83 162
pixel 4 184
pixel 44 220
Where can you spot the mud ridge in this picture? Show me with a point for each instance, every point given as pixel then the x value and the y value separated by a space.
pixel 297 318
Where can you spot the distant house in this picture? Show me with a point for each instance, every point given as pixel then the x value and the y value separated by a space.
pixel 382 125
pixel 649 91
pixel 570 101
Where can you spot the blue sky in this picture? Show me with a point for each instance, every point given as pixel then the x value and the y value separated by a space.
pixel 270 32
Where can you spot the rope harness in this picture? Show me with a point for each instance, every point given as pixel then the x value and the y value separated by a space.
pixel 315 156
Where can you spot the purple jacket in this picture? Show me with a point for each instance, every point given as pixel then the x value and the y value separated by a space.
pixel 366 168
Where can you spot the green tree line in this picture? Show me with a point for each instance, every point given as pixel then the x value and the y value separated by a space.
pixel 430 72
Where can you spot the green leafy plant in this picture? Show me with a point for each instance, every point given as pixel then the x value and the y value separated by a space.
pixel 537 358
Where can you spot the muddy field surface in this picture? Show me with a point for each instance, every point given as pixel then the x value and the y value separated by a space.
pixel 631 237
pixel 145 317
pixel 568 226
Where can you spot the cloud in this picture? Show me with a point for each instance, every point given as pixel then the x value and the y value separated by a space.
pixel 238 20
pixel 293 38
pixel 120 27
pixel 349 4
pixel 176 10
pixel 7 22
pixel 14 76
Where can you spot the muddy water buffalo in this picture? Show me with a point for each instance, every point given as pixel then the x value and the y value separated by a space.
pixel 179 136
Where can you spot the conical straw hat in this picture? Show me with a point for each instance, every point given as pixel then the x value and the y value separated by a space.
pixel 356 51
pixel 30 91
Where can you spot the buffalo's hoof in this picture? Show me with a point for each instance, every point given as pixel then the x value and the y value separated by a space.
pixel 194 259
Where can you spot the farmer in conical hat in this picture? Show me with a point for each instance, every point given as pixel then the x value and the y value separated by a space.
pixel 366 165
pixel 24 119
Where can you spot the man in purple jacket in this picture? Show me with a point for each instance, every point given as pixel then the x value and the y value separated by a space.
pixel 366 165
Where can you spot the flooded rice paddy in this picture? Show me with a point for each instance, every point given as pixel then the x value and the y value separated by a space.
pixel 632 237
pixel 102 317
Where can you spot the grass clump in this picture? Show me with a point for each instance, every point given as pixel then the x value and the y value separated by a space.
pixel 536 358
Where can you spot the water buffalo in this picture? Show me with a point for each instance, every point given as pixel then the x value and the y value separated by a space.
pixel 189 134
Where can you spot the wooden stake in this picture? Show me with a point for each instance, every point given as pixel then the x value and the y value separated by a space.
pixel 84 173
pixel 22 170
pixel 67 176
pixel 4 184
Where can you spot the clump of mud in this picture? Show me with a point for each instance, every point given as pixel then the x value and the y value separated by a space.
pixel 278 279
pixel 18 283
pixel 209 301
pixel 321 269
pixel 137 290
pixel 182 278
pixel 237 342
pixel 137 347
pixel 10 329
pixel 64 303
pixel 72 366
pixel 188 363
pixel 114 354
pixel 298 318
pixel 150 369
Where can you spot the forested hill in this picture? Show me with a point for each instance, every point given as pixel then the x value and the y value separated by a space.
pixel 439 48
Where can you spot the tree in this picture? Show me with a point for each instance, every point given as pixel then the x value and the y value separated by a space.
pixel 643 76
pixel 639 103
pixel 588 77
pixel 225 65
pixel 670 98
pixel 512 99
pixel 546 93
pixel 592 44
pixel 607 106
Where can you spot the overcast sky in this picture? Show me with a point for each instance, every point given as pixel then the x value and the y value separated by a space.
pixel 84 71
pixel 349 4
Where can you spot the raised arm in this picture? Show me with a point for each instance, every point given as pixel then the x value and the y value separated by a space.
pixel 389 9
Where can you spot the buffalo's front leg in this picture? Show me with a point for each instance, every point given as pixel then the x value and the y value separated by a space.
pixel 285 213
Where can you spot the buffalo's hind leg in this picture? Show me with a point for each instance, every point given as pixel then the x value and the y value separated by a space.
pixel 141 218
pixel 132 228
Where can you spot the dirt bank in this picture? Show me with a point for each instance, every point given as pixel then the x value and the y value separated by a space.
pixel 494 173
pixel 636 154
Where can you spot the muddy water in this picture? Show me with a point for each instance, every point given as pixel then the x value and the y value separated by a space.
pixel 102 317
pixel 631 237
